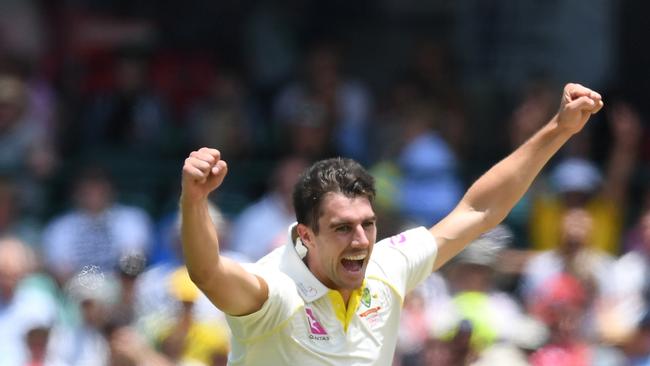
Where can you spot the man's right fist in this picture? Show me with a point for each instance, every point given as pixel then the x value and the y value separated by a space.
pixel 203 172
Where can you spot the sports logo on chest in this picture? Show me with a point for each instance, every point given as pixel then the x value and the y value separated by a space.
pixel 371 306
pixel 316 329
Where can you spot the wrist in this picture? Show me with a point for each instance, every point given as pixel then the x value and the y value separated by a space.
pixel 192 199
pixel 562 128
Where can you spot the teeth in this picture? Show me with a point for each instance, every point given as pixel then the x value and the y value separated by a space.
pixel 357 257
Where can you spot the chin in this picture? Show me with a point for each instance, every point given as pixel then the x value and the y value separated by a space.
pixel 355 284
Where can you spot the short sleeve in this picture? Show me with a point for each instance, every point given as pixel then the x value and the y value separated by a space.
pixel 406 259
pixel 282 302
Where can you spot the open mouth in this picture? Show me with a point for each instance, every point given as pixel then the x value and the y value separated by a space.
pixel 353 263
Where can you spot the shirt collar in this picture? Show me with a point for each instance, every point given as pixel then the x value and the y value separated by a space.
pixel 309 287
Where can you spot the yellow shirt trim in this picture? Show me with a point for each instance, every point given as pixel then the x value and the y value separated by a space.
pixel 344 314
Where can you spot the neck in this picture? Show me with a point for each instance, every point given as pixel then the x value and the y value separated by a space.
pixel 346 296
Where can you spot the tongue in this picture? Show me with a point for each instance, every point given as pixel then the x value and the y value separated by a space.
pixel 351 265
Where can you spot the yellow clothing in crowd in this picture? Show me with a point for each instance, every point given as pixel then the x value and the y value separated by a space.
pixel 546 220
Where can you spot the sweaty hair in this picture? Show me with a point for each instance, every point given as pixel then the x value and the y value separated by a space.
pixel 336 175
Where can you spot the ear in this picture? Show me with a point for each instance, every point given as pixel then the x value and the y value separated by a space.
pixel 305 234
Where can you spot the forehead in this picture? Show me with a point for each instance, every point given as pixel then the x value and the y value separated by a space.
pixel 338 207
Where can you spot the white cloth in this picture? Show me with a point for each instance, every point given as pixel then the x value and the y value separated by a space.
pixel 303 322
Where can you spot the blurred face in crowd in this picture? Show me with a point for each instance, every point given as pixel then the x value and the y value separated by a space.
pixel 340 251
pixel 13 98
pixel 94 195
pixel 323 65
pixel 130 75
pixel 94 312
pixel 14 265
pixel 471 277
pixel 564 322
pixel 577 225
pixel 286 176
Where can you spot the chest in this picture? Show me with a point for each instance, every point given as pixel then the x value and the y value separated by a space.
pixel 326 325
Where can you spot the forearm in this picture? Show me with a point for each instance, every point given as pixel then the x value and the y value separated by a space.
pixel 499 189
pixel 494 194
pixel 200 240
pixel 225 282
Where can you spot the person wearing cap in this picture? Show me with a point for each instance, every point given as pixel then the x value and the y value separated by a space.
pixel 331 295
pixel 495 316
pixel 186 339
pixel 576 181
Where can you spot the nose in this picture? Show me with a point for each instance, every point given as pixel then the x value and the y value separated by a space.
pixel 360 239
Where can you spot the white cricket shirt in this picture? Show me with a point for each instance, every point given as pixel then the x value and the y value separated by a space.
pixel 305 323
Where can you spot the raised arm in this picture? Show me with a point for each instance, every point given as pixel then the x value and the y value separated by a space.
pixel 226 283
pixel 489 200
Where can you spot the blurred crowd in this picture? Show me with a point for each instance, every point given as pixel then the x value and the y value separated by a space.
pixel 101 100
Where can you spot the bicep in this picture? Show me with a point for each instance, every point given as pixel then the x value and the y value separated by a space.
pixel 234 290
pixel 455 231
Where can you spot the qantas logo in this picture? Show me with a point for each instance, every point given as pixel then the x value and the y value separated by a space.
pixel 315 327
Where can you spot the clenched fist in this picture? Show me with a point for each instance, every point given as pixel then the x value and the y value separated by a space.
pixel 577 105
pixel 203 172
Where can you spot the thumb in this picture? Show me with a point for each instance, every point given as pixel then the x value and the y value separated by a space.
pixel 217 173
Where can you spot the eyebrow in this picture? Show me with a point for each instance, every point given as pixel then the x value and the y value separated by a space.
pixel 336 223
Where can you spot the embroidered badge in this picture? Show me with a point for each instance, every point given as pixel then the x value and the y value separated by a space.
pixel 366 299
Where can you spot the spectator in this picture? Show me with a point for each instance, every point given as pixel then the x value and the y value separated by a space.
pixel 128 117
pixel 326 102
pixel 227 117
pixel 637 346
pixel 24 306
pixel 536 106
pixel 28 130
pixel 495 316
pixel 429 187
pixel 625 308
pixel 25 152
pixel 13 221
pixel 420 181
pixel 154 303
pixel 562 304
pixel 96 231
pixel 186 339
pixel 574 254
pixel 128 348
pixel 85 344
pixel 262 226
pixel 578 183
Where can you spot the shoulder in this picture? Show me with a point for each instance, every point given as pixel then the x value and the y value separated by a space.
pixel 404 242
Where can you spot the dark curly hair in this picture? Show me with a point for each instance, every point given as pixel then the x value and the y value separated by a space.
pixel 336 175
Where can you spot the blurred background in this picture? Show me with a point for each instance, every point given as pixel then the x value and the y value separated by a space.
pixel 102 100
